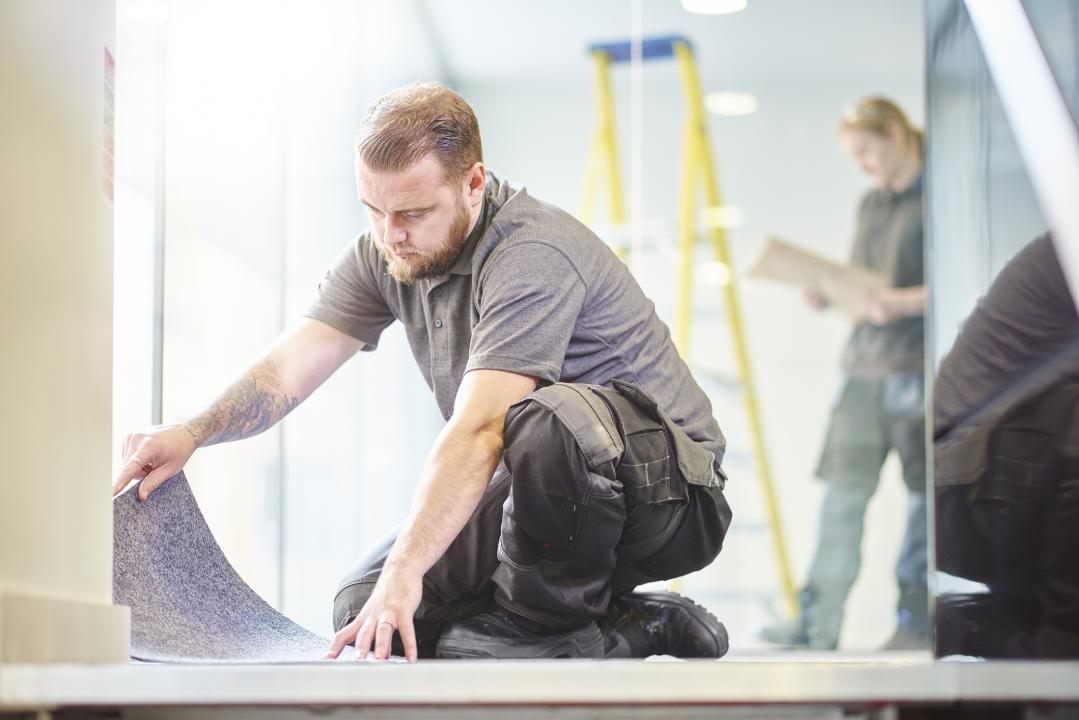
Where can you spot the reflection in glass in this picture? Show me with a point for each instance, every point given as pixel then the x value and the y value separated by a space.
pixel 1006 429
pixel 1005 395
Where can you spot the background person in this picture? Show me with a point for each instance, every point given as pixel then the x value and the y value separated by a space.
pixel 881 405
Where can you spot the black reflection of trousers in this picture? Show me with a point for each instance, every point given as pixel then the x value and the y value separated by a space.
pixel 598 492
pixel 1007 515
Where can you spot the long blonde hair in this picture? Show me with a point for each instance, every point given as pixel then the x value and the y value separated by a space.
pixel 876 114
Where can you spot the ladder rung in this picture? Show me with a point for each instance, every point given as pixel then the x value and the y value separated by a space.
pixel 653 48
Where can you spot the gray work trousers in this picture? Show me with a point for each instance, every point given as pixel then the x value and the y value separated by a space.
pixel 872 417
pixel 598 491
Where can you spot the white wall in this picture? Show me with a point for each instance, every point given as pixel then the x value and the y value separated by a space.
pixel 56 311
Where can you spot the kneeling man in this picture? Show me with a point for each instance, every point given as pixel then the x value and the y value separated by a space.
pixel 579 459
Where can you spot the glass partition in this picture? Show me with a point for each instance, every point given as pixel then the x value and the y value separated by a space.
pixel 1006 335
pixel 260 102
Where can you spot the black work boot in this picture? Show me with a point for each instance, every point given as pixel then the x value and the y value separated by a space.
pixel 499 633
pixel 640 624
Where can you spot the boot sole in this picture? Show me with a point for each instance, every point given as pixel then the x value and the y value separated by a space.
pixel 586 642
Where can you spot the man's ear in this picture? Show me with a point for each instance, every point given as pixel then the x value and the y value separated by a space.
pixel 477 181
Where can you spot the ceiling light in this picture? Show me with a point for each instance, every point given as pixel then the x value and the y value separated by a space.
pixel 730 103
pixel 714 7
pixel 724 216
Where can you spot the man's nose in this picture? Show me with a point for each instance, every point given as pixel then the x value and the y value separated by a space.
pixel 395 232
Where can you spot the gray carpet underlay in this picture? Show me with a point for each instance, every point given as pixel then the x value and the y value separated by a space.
pixel 187 602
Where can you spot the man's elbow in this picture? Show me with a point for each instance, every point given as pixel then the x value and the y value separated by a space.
pixel 484 433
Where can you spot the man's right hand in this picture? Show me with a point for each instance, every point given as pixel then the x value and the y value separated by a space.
pixel 153 456
pixel 298 362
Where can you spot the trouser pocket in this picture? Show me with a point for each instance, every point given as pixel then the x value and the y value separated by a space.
pixel 646 470
pixel 664 468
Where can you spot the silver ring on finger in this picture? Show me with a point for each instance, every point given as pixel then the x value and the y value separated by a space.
pixel 136 459
pixel 384 621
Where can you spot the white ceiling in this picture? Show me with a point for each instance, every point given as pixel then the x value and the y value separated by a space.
pixel 771 40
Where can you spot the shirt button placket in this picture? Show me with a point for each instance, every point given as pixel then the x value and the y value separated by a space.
pixel 439 340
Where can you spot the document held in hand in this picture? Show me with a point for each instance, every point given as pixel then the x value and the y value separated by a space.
pixel 845 286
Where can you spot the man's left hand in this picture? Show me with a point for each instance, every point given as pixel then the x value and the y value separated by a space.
pixel 389 609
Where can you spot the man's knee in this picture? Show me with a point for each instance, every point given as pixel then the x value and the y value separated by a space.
pixel 558 421
pixel 349 601
pixel 358 583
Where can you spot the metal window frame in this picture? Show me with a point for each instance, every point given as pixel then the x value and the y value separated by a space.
pixel 1039 117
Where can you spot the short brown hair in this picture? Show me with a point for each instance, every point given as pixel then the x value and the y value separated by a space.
pixel 406 124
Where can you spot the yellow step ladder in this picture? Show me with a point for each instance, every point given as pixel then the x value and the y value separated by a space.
pixel 698 173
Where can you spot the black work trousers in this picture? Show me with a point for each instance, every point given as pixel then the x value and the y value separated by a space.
pixel 598 492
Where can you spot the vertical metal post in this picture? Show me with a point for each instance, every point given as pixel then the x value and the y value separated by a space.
pixel 695 127
pixel 687 205
pixel 1039 117
pixel 157 387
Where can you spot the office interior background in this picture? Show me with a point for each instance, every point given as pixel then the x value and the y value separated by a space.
pixel 241 164
pixel 233 190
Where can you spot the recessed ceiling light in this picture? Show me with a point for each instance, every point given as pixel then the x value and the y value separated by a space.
pixel 714 7
pixel 730 103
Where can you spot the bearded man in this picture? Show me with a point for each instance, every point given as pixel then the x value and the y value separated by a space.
pixel 579 458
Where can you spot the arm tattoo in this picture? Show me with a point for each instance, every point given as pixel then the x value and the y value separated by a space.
pixel 250 405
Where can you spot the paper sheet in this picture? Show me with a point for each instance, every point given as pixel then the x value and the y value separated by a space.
pixel 845 286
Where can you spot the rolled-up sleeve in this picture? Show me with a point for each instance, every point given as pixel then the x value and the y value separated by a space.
pixel 530 298
pixel 348 297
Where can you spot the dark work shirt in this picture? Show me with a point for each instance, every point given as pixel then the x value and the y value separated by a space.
pixel 1026 319
pixel 888 239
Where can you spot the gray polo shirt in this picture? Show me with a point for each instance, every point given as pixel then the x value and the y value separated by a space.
pixel 533 292
pixel 888 239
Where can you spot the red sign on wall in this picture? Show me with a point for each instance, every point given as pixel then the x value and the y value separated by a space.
pixel 108 136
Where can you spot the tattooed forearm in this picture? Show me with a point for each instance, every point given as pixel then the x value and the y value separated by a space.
pixel 252 404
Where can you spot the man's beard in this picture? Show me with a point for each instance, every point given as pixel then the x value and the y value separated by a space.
pixel 438 262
